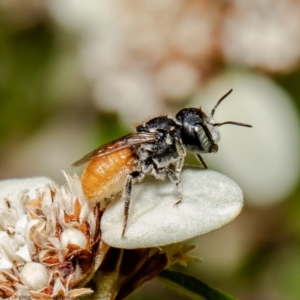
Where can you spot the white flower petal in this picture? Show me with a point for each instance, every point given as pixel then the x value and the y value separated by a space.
pixel 5 263
pixel 210 200
pixel 21 223
pixel 54 241
pixel 3 234
pixel 23 252
pixel 7 219
pixel 58 287
pixel 28 227
pixel 9 246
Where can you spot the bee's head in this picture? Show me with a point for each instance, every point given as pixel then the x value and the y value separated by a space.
pixel 199 132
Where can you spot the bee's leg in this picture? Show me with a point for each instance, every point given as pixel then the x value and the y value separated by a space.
pixel 126 196
pixel 201 160
pixel 174 177
pixel 182 153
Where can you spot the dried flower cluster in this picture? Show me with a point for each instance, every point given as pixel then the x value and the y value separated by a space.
pixel 48 241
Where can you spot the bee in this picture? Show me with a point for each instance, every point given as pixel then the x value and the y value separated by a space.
pixel 157 147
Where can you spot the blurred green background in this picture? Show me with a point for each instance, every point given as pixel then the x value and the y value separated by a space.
pixel 74 75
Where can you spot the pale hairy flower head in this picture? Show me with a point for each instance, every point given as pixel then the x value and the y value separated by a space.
pixel 210 200
pixel 53 241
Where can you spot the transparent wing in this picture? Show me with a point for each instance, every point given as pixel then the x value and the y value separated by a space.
pixel 127 141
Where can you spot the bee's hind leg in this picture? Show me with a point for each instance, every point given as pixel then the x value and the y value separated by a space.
pixel 126 195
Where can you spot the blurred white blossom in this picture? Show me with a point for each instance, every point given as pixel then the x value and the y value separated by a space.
pixel 264 159
pixel 138 54
pixel 262 34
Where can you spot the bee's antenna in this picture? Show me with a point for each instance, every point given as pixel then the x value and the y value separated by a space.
pixel 218 103
pixel 232 123
pixel 227 122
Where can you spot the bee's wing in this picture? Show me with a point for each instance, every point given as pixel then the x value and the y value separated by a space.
pixel 127 141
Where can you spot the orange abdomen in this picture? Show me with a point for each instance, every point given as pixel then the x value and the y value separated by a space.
pixel 106 176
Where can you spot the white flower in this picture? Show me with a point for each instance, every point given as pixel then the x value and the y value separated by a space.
pixel 51 244
pixel 210 200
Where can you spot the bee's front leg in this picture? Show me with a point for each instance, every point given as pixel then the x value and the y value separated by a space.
pixel 174 177
pixel 201 160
